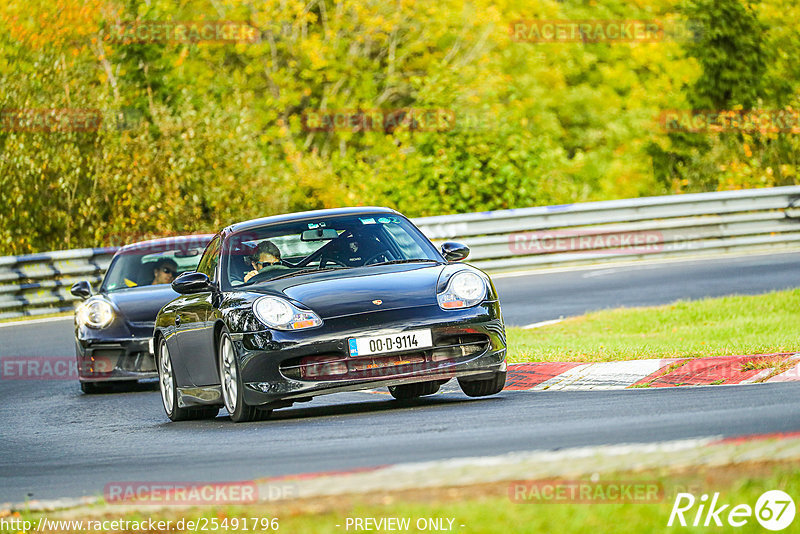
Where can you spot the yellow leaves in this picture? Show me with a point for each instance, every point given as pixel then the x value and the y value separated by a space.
pixel 181 57
pixel 317 61
pixel 57 24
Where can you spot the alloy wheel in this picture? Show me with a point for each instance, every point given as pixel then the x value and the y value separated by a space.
pixel 228 374
pixel 165 377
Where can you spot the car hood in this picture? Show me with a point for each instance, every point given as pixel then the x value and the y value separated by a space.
pixel 141 304
pixel 360 290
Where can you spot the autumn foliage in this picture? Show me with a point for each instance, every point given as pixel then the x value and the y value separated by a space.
pixel 198 129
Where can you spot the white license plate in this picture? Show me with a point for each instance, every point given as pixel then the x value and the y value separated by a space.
pixel 409 340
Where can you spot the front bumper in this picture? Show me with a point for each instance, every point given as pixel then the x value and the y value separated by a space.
pixel 264 357
pixel 109 360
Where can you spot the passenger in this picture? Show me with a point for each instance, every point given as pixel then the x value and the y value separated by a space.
pixel 165 271
pixel 267 257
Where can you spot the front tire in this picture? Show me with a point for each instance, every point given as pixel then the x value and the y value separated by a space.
pixel 169 391
pixel 483 388
pixel 92 388
pixel 233 386
pixel 412 391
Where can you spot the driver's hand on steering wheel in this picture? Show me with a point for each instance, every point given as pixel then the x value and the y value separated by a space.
pixel 250 275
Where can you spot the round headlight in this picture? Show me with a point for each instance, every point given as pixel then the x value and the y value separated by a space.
pixel 95 313
pixel 273 311
pixel 465 289
pixel 467 286
pixel 283 315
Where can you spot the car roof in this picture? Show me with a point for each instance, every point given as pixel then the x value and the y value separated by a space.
pixel 161 242
pixel 315 214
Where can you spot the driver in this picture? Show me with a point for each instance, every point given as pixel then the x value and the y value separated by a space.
pixel 266 257
pixel 164 271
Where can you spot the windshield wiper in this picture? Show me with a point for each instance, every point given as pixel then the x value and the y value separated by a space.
pixel 307 271
pixel 415 260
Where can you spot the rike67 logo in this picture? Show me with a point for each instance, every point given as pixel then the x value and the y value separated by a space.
pixel 774 510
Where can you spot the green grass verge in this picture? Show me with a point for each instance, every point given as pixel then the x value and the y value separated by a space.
pixel 495 513
pixel 710 327
pixel 489 508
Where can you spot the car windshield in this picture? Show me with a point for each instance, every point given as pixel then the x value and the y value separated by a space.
pixel 152 265
pixel 311 245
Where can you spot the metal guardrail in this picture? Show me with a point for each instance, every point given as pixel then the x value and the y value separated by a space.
pixel 625 230
pixel 528 238
pixel 37 284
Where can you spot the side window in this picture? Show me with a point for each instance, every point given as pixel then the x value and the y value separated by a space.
pixel 208 263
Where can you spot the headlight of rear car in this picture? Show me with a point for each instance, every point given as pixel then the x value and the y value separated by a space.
pixel 464 289
pixel 95 313
pixel 281 314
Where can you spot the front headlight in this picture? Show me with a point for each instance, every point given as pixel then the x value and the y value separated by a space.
pixel 95 313
pixel 281 314
pixel 464 289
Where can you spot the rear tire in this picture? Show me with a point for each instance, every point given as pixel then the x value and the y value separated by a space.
pixel 169 391
pixel 483 388
pixel 233 386
pixel 413 391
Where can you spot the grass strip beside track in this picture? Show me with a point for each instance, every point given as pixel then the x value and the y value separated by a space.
pixel 727 326
pixel 490 508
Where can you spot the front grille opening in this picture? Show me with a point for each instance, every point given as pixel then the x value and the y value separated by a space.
pixel 333 366
pixel 454 347
pixel 103 361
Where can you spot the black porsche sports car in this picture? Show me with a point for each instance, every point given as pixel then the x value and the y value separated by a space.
pixel 285 308
pixel 114 328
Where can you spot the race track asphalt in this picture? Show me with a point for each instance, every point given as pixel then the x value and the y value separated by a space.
pixel 57 442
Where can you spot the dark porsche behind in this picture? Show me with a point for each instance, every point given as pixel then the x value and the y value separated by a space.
pixel 366 291
pixel 114 327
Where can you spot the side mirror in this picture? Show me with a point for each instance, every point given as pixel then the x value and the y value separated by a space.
pixel 81 289
pixel 454 251
pixel 191 282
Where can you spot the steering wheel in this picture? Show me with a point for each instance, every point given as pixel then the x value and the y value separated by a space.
pixel 260 277
pixel 387 256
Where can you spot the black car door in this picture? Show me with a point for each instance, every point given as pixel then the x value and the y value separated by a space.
pixel 196 329
pixel 172 332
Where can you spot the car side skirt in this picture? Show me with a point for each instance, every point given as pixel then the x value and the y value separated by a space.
pixel 200 396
